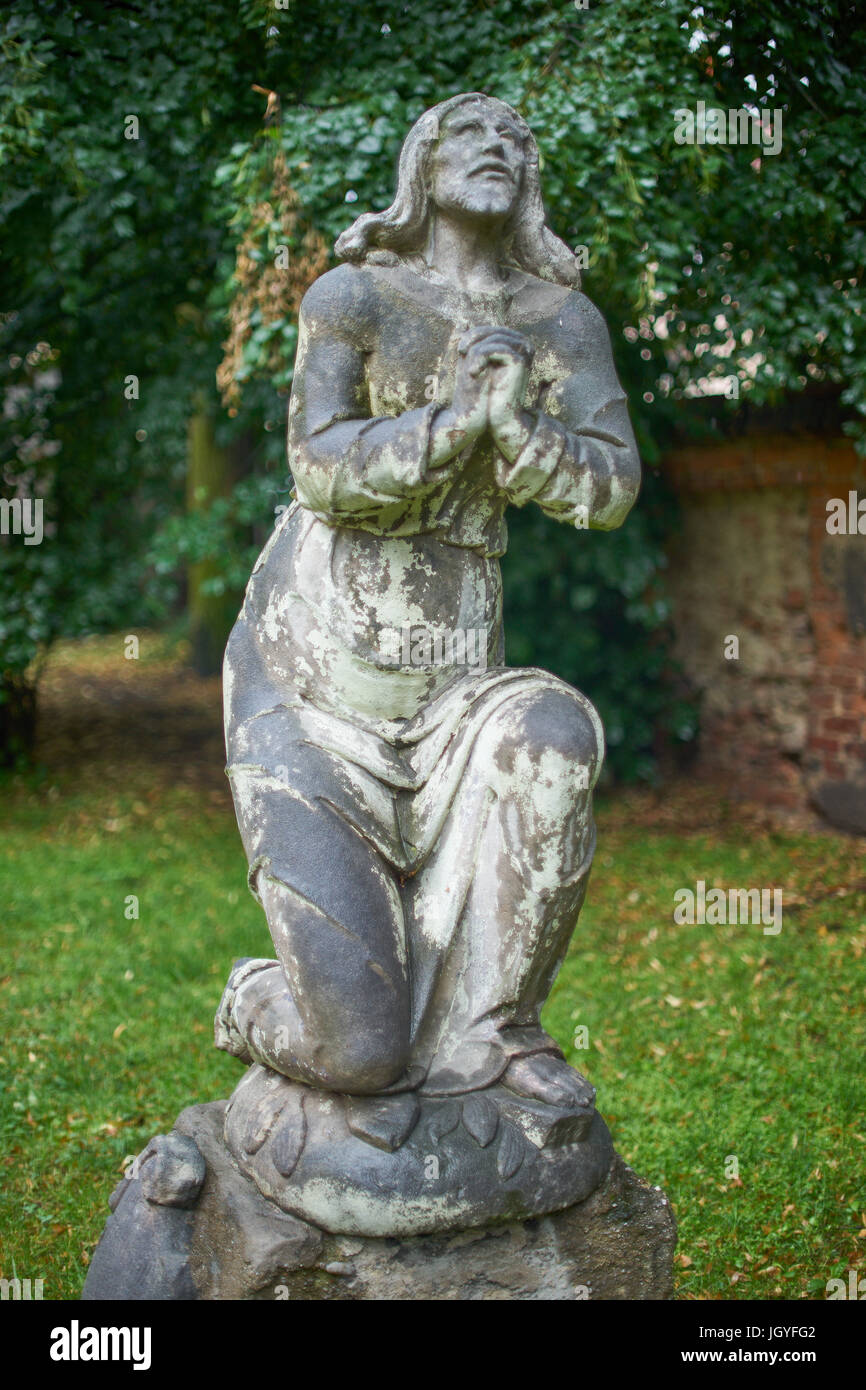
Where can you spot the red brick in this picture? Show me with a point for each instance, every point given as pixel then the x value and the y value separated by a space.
pixel 795 598
pixel 843 676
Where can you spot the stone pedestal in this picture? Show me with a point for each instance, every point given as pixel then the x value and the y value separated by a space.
pixel 410 1164
pixel 189 1225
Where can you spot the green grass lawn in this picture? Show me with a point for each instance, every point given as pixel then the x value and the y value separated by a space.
pixel 729 1064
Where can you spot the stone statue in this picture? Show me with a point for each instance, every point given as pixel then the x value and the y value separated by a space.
pixel 417 816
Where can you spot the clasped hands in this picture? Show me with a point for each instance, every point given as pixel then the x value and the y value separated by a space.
pixel 493 366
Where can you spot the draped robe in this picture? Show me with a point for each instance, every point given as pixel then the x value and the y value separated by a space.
pixel 419 835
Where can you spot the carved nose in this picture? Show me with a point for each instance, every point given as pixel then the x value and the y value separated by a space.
pixel 492 139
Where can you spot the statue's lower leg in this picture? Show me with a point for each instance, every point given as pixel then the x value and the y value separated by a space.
pixel 512 862
pixel 328 1013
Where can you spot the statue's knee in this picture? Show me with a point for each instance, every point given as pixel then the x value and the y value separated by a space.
pixel 560 722
pixel 523 734
pixel 364 1065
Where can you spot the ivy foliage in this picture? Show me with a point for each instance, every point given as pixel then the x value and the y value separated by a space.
pixel 113 118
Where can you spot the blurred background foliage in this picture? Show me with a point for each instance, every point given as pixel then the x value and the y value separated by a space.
pixel 150 281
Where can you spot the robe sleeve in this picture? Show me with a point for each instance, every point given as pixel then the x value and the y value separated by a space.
pixel 346 464
pixel 580 463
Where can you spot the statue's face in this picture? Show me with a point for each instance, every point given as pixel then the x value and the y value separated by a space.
pixel 477 165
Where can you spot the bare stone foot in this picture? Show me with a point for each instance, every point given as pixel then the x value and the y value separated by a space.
pixel 550 1079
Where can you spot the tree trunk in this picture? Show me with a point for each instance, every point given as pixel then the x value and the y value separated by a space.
pixel 208 476
pixel 17 718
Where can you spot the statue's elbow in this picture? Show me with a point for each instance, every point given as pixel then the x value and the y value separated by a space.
pixel 630 480
pixel 624 489
pixel 316 490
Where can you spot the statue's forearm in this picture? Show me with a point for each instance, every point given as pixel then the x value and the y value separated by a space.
pixel 512 436
pixel 358 466
pixel 587 477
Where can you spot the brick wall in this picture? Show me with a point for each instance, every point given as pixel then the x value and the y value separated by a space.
pixel 783 721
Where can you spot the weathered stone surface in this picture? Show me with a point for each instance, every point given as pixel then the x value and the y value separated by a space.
pixel 411 1163
pixel 172 1171
pixel 618 1244
pixel 143 1252
pixel 417 816
pixel 384 1121
pixel 228 1248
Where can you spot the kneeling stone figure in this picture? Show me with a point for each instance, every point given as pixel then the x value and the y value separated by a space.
pixel 420 834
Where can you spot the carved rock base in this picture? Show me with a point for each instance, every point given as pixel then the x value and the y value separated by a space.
pixel 409 1164
pixel 225 1240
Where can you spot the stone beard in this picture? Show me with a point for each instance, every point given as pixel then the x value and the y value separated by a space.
pixel 420 834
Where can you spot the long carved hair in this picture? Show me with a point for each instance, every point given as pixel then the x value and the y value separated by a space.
pixel 529 244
